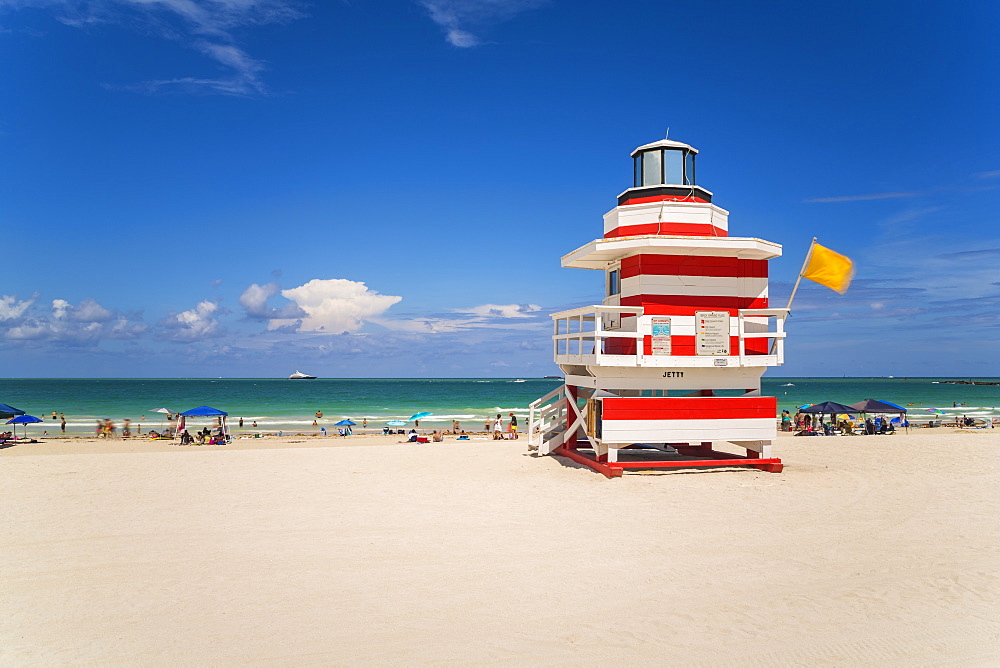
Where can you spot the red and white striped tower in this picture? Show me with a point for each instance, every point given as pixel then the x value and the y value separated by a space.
pixel 666 371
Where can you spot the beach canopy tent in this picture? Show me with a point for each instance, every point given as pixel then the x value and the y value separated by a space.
pixel 23 419
pixel 208 411
pixel 7 412
pixel 829 407
pixel 874 406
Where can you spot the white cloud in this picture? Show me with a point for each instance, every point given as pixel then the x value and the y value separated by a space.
pixel 254 302
pixel 502 310
pixel 864 198
pixel 89 322
pixel 88 311
pixel 484 316
pixel 206 26
pixel 194 324
pixel 334 306
pixel 459 18
pixel 11 308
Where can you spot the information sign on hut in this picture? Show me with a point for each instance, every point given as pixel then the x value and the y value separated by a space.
pixel 713 332
pixel 670 361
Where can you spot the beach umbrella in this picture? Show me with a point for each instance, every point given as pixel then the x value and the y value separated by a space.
pixel 396 423
pixel 23 419
pixel 165 411
pixel 803 406
pixel 344 423
pixel 9 411
pixel 936 411
pixel 417 416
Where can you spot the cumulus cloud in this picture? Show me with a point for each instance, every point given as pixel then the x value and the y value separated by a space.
pixel 254 303
pixel 460 18
pixel 87 322
pixel 88 311
pixel 11 308
pixel 206 26
pixel 328 306
pixel 194 324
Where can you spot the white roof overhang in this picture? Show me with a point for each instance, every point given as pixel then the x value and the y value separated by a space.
pixel 600 252
pixel 665 143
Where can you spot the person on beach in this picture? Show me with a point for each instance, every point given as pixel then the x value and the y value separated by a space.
pixel 454 426
pixel 241 423
pixel 319 414
pixel 364 423
pixel 254 424
pixel 486 426
pixel 62 423
pixel 512 426
pixel 498 428
pixel 126 431
pixel 786 421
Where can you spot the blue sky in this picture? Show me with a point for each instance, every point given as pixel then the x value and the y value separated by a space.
pixel 243 188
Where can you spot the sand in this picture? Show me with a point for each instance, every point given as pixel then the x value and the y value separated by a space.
pixel 865 551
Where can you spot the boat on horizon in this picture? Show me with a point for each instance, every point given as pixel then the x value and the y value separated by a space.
pixel 298 375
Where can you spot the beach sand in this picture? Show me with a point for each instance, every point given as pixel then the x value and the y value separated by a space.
pixel 306 551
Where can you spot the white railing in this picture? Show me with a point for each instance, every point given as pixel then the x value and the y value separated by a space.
pixel 580 336
pixel 546 415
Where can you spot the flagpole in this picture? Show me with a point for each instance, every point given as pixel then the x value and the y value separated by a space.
pixel 774 343
pixel 801 271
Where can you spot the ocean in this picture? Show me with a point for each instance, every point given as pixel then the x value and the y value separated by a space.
pixel 290 405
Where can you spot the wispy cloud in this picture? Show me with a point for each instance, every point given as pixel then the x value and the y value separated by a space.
pixel 862 198
pixel 206 26
pixel 462 20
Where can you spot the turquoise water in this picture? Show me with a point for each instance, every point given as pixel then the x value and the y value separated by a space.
pixel 279 404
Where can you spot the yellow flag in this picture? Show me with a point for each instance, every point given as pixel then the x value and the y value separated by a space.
pixel 829 268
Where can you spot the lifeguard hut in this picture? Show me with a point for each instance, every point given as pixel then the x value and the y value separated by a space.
pixel 666 371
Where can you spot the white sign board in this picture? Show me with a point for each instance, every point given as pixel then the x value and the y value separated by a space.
pixel 712 332
pixel 661 336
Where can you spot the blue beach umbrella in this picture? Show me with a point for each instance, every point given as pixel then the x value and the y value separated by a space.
pixel 344 423
pixel 417 416
pixel 396 423
pixel 23 419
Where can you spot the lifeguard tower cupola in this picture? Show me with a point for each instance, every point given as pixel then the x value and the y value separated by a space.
pixel 665 372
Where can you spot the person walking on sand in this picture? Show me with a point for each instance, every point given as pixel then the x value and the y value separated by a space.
pixel 512 426
pixel 498 428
